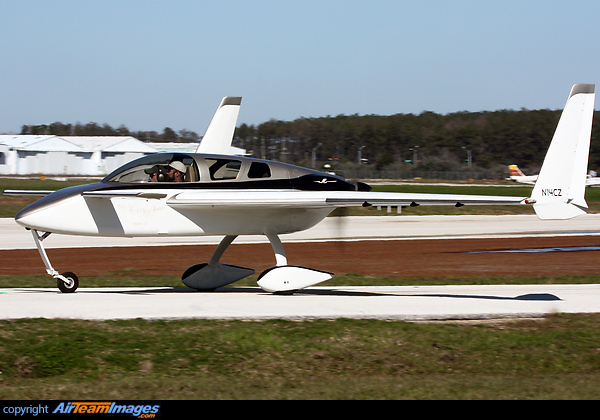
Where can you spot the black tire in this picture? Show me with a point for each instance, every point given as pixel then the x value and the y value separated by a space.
pixel 63 287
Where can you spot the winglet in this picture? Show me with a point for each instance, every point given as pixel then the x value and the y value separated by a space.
pixel 560 187
pixel 219 134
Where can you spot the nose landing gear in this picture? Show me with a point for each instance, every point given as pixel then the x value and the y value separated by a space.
pixel 67 282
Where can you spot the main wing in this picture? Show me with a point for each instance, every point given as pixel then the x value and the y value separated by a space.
pixel 333 199
pixel 291 199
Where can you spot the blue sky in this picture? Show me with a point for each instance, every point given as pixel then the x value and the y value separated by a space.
pixel 153 64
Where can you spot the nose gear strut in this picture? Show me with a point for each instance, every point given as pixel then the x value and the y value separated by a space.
pixel 67 282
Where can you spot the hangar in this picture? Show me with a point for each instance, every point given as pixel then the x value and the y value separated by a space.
pixel 67 155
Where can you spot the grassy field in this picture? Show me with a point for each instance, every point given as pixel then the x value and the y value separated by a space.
pixel 557 357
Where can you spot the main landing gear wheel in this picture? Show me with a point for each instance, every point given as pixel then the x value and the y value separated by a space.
pixel 71 285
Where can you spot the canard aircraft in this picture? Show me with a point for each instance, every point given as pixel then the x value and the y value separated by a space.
pixel 212 192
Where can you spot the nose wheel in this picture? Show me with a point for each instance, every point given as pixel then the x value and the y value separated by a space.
pixel 67 282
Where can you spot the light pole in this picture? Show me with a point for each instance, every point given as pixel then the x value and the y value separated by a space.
pixel 360 154
pixel 468 156
pixel 414 150
pixel 314 155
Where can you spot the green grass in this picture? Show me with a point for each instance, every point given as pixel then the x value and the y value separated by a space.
pixel 553 358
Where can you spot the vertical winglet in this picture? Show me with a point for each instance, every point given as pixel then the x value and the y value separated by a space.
pixel 560 188
pixel 219 134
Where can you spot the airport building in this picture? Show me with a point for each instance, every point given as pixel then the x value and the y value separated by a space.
pixel 79 155
pixel 68 155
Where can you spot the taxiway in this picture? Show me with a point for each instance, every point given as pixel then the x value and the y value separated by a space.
pixel 409 303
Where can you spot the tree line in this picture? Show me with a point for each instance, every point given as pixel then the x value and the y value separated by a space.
pixel 427 141
pixel 438 142
pixel 95 129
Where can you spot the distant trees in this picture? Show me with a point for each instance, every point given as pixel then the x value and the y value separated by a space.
pixel 439 142
pixel 490 138
pixel 94 129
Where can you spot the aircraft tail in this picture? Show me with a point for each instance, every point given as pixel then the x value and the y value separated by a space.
pixel 513 170
pixel 560 188
pixel 219 134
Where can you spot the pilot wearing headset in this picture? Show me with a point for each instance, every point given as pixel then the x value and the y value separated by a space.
pixel 176 171
pixel 156 173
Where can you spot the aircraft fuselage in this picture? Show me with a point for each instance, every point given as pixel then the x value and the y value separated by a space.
pixel 127 203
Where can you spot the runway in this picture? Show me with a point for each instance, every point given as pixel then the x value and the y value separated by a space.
pixel 408 303
pixel 394 246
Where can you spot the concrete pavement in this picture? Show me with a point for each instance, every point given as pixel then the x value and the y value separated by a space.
pixel 250 303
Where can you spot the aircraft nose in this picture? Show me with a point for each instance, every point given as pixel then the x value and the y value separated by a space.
pixel 63 211
pixel 34 215
pixel 29 216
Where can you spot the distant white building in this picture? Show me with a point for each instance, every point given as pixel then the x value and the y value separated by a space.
pixel 109 153
pixel 78 155
pixel 67 155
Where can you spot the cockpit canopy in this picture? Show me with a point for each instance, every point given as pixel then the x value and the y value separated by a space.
pixel 159 168
pixel 220 171
pixel 144 169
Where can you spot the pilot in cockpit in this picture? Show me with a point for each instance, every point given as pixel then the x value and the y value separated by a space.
pixel 156 174
pixel 176 171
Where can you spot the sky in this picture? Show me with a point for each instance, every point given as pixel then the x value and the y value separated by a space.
pixel 150 64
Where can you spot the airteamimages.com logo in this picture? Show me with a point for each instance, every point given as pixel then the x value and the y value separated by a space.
pixel 142 411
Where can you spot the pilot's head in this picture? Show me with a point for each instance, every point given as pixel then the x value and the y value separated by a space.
pixel 153 173
pixel 176 171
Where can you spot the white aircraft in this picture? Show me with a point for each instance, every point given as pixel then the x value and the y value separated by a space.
pixel 231 195
pixel 515 174
pixel 518 176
